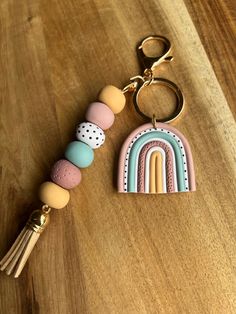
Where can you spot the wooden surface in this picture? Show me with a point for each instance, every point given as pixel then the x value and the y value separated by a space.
pixel 111 253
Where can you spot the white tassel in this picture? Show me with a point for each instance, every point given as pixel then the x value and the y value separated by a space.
pixel 17 256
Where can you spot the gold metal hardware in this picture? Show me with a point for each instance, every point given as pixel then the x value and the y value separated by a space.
pixel 138 82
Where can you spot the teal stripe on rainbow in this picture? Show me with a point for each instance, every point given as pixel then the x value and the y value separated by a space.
pixel 178 162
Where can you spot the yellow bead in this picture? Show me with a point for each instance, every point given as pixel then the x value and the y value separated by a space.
pixel 113 98
pixel 53 195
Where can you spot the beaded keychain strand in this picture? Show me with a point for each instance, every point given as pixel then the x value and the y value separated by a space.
pixel 66 174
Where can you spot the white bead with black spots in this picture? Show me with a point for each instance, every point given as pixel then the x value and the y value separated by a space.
pixel 90 134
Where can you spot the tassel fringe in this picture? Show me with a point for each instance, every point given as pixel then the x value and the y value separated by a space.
pixel 17 256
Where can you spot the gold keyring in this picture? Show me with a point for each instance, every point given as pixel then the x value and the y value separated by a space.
pixel 179 97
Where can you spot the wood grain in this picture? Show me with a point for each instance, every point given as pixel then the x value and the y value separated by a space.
pixel 215 22
pixel 111 253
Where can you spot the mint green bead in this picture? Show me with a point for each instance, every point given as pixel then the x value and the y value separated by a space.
pixel 79 154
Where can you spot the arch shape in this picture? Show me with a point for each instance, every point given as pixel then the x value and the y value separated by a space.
pixel 148 171
pixel 145 134
pixel 168 166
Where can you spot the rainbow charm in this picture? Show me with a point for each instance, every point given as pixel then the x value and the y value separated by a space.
pixel 156 160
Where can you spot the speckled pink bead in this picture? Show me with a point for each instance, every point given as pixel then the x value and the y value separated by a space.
pixel 100 114
pixel 65 174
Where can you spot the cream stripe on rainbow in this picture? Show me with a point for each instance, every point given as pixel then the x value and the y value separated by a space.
pixel 134 162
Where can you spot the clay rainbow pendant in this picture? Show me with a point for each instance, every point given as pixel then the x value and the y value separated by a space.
pixel 156 160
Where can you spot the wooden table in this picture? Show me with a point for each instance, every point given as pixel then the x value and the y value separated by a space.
pixel 107 252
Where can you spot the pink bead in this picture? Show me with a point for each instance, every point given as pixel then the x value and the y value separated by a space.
pixel 65 174
pixel 100 114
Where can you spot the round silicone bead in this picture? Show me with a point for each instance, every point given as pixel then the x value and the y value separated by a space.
pixel 65 174
pixel 80 154
pixel 113 98
pixel 90 134
pixel 101 115
pixel 53 195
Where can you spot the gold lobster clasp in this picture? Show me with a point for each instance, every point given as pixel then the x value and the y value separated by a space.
pixel 149 63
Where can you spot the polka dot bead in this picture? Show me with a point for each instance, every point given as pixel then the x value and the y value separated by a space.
pixel 90 134
pixel 79 154
pixel 65 174
pixel 100 114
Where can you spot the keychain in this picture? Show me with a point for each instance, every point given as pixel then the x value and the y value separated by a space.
pixel 155 158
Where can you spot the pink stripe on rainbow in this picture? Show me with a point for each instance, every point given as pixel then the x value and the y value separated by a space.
pixel 176 137
pixel 169 165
